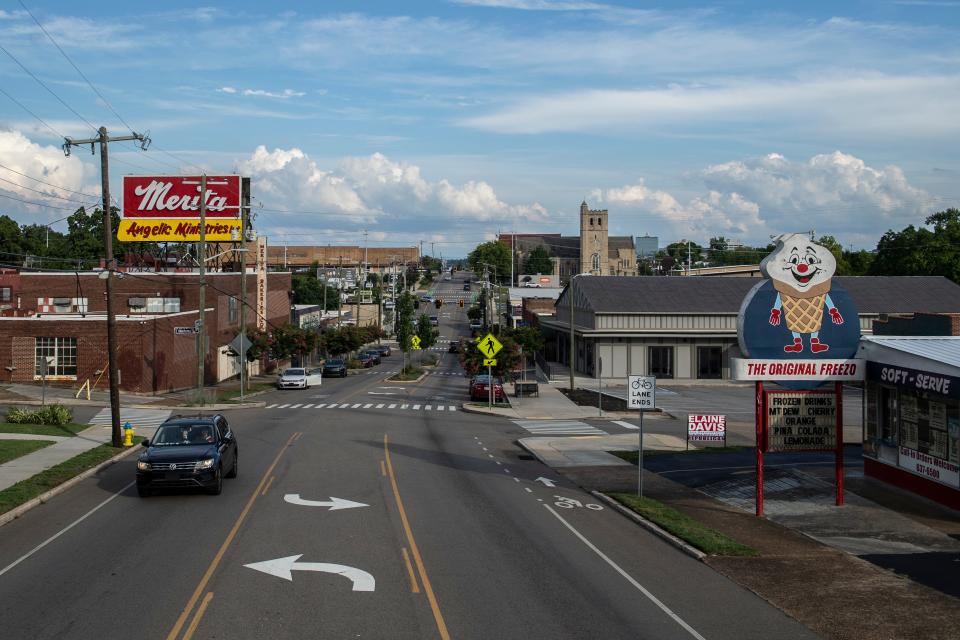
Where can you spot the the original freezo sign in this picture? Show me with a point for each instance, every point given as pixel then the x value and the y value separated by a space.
pixel 641 392
pixel 702 428
pixel 801 421
pixel 179 196
pixel 820 370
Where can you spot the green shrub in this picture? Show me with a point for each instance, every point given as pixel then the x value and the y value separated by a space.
pixel 54 414
pixel 353 363
pixel 17 415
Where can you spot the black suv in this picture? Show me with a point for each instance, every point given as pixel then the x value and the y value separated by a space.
pixel 335 367
pixel 188 453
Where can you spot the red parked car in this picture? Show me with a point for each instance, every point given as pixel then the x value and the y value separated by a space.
pixel 480 388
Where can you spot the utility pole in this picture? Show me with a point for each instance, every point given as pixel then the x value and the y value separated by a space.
pixel 202 329
pixel 103 139
pixel 244 207
pixel 688 257
pixel 339 287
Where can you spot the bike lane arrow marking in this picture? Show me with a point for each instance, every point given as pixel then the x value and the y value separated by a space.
pixel 335 504
pixel 546 481
pixel 284 567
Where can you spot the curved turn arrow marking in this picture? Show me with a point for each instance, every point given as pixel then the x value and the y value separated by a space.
pixel 335 504
pixel 284 568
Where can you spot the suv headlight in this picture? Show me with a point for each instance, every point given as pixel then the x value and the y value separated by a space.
pixel 143 466
pixel 205 464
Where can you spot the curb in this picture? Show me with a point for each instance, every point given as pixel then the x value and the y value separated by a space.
pixel 390 379
pixel 207 407
pixel 16 512
pixel 466 409
pixel 668 537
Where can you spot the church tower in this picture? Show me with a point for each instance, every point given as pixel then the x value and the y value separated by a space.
pixel 594 230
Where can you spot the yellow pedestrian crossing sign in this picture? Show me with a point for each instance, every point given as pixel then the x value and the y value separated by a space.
pixel 415 341
pixel 489 362
pixel 489 346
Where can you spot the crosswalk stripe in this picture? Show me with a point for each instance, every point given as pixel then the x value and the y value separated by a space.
pixel 439 407
pixel 283 406
pixel 140 419
pixel 416 407
pixel 368 405
pixel 452 408
pixel 307 406
pixel 356 406
pixel 320 406
pixel 392 406
pixel 379 406
pixel 626 425
pixel 427 407
pixel 296 406
pixel 558 427
pixel 271 406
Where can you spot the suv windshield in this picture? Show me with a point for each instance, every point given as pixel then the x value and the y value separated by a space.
pixel 174 434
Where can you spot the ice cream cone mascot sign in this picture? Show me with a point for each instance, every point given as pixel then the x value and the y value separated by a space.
pixel 802 272
pixel 800 312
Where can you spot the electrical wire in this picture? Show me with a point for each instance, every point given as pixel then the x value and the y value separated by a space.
pixel 49 184
pixel 43 193
pixel 39 204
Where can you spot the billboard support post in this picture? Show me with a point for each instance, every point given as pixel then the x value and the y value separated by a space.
pixel 838 390
pixel 761 444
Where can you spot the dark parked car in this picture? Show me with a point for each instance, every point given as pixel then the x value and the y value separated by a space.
pixel 335 367
pixel 188 453
pixel 466 286
pixel 374 355
pixel 366 360
pixel 454 346
pixel 480 388
pixel 384 350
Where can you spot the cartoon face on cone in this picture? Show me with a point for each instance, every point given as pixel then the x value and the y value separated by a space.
pixel 801 271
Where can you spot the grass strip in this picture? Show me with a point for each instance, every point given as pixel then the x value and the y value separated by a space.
pixel 13 449
pixel 28 489
pixel 632 456
pixel 65 430
pixel 234 394
pixel 684 527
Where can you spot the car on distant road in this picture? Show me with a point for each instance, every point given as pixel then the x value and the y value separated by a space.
pixel 335 367
pixel 374 355
pixel 434 321
pixel 299 378
pixel 532 284
pixel 466 286
pixel 384 350
pixel 454 346
pixel 188 453
pixel 480 388
pixel 366 360
pixel 476 325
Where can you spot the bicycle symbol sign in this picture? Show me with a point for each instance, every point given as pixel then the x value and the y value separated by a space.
pixel 642 391
pixel 570 503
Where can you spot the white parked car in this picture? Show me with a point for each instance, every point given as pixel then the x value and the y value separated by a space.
pixel 532 284
pixel 299 378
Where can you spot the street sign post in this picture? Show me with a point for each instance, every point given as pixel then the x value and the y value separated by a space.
pixel 489 346
pixel 641 395
pixel 182 331
pixel 415 342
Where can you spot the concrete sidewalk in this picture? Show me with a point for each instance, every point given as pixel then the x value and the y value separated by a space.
pixel 62 450
pixel 549 404
pixel 811 553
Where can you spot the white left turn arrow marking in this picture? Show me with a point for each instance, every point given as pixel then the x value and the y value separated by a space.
pixel 335 504
pixel 284 567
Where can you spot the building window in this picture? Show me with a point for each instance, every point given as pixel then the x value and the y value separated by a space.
pixel 596 262
pixel 233 310
pixel 6 294
pixel 709 363
pixel 61 353
pixel 661 361
pixel 154 305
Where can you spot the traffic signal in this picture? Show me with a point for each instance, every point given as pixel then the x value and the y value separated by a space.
pixel 438 302
pixel 460 301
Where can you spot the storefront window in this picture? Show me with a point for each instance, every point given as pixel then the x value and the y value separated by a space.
pixel 61 353
pixel 661 361
pixel 709 363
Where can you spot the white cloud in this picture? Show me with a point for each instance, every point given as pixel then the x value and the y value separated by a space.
pixel 283 95
pixel 836 105
pixel 376 191
pixel 833 194
pixel 230 90
pixel 46 163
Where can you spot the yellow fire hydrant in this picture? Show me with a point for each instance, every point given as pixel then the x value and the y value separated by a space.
pixel 127 434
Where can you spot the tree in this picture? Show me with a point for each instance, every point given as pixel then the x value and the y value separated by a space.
pixel 920 251
pixel 425 331
pixel 679 252
pixel 493 253
pixel 307 289
pixel 527 337
pixel 538 261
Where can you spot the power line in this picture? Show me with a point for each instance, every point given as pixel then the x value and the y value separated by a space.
pixel 39 204
pixel 38 118
pixel 49 184
pixel 43 193
pixel 49 90
pixel 75 67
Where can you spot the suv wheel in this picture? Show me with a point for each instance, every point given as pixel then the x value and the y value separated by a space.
pixel 236 465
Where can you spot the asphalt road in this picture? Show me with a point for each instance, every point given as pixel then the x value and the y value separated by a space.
pixel 459 539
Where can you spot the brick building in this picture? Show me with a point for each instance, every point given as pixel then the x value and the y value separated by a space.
pixel 63 316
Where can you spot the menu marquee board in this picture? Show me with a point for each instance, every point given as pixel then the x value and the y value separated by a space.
pixel 801 420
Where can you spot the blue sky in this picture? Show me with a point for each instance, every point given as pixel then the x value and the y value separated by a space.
pixel 448 121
